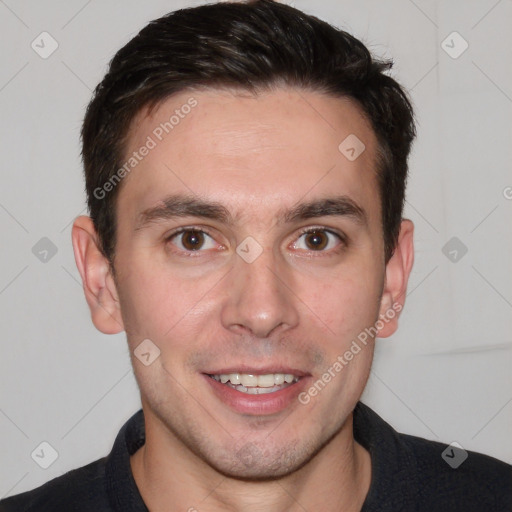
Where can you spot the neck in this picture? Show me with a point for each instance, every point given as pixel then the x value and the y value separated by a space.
pixel 170 477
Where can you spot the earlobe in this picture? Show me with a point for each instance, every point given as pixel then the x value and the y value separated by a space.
pixel 398 270
pixel 98 284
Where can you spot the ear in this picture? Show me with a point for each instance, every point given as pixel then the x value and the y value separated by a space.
pixel 98 283
pixel 398 270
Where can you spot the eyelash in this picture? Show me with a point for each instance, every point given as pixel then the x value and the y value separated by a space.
pixel 302 232
pixel 341 238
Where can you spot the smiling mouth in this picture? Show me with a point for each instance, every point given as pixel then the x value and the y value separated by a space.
pixel 256 384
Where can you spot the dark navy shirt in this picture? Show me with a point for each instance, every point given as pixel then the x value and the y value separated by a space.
pixel 408 474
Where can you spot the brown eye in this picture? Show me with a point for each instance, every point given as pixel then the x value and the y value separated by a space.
pixel 316 240
pixel 319 240
pixel 192 240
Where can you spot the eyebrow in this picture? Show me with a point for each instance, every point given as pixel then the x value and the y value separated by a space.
pixel 176 206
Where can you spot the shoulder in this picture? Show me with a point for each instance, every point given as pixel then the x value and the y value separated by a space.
pixel 416 474
pixel 80 490
pixel 452 478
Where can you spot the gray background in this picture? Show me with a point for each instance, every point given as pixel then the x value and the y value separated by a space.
pixel 445 375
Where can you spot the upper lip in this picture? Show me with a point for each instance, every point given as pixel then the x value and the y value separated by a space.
pixel 258 371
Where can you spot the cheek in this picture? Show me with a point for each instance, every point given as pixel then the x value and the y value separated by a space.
pixel 158 305
pixel 146 300
pixel 347 303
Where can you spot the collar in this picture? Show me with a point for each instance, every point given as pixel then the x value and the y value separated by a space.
pixel 392 462
pixel 122 490
pixel 395 479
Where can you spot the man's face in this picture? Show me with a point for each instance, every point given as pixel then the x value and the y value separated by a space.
pixel 245 290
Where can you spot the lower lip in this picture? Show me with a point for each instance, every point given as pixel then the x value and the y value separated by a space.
pixel 268 403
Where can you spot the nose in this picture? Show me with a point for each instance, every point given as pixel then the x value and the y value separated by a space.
pixel 259 298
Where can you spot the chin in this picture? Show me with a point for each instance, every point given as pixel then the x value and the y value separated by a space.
pixel 253 463
pixel 266 471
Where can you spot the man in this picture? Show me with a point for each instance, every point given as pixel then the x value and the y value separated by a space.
pixel 245 168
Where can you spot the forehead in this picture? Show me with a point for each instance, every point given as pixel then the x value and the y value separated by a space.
pixel 253 153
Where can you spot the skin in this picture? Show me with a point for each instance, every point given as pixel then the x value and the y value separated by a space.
pixel 296 304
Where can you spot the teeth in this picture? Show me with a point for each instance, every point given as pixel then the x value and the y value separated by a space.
pixel 264 381
pixel 256 382
pixel 249 380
